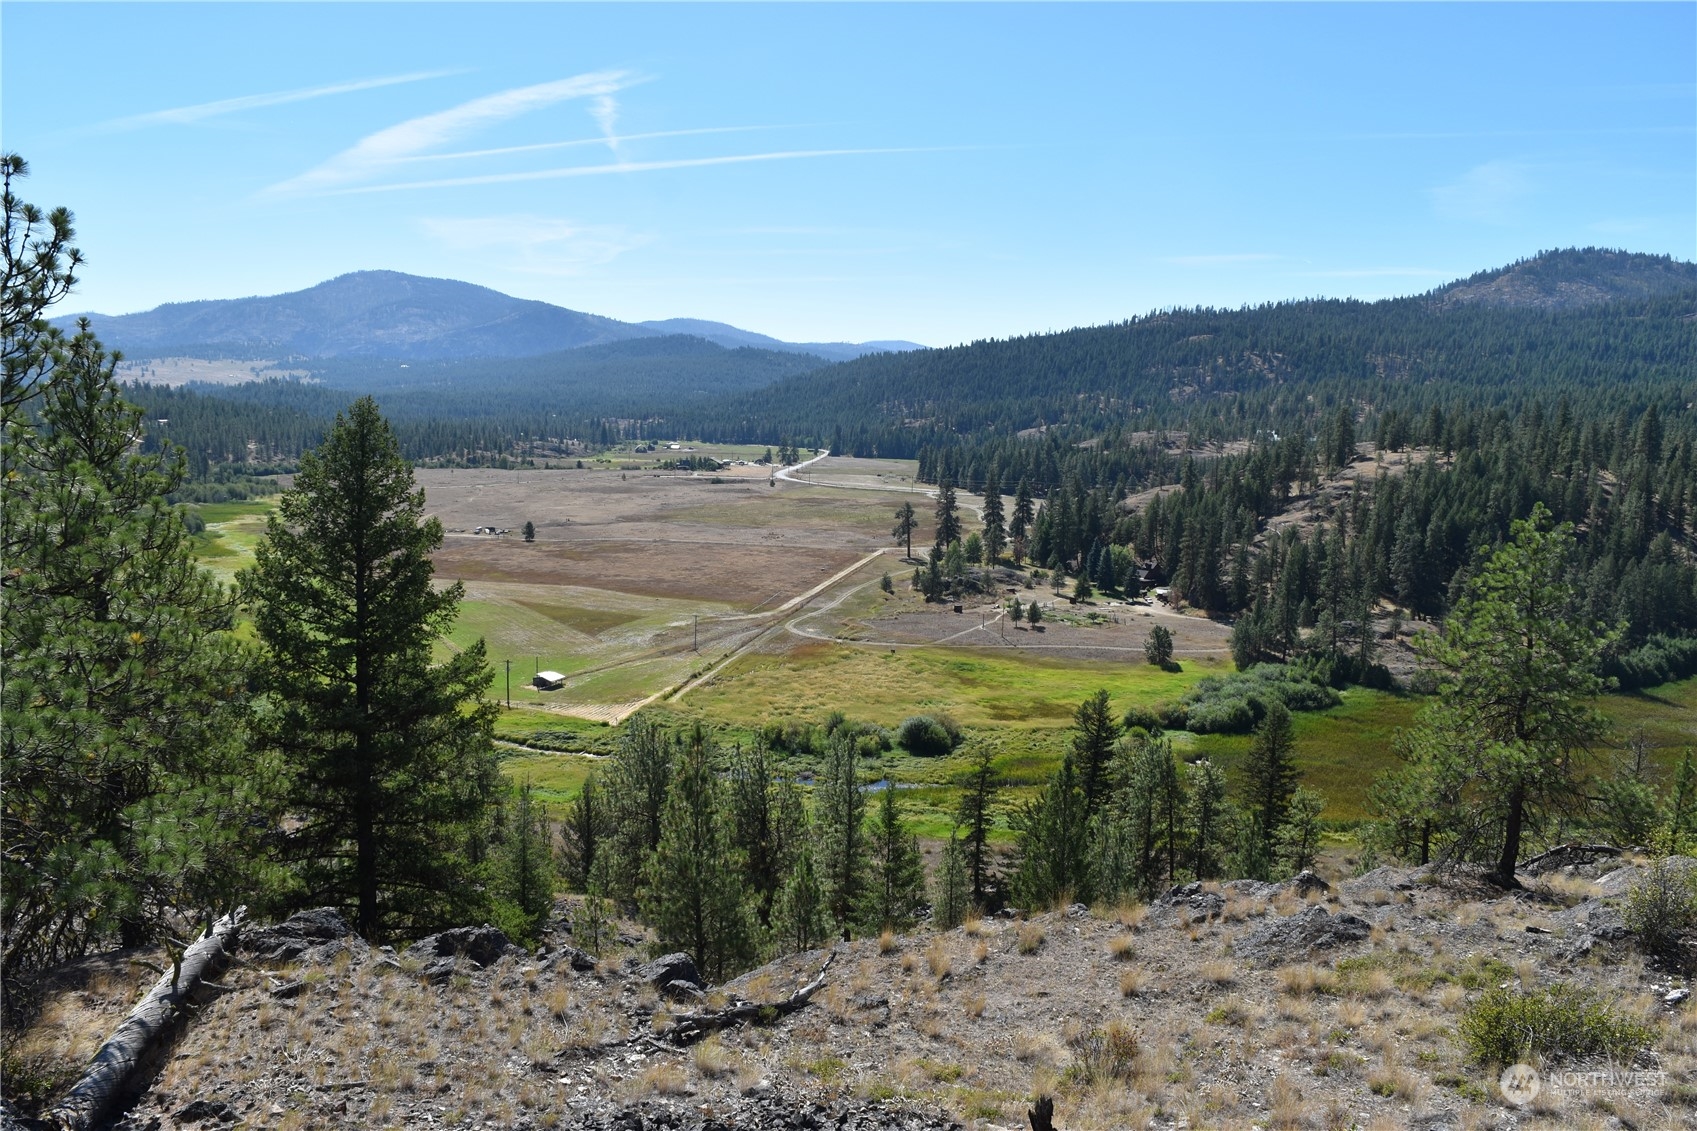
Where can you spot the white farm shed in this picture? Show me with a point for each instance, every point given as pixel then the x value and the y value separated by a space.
pixel 548 681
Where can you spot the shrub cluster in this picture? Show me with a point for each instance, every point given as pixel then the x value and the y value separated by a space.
pixel 1236 703
pixel 928 736
pixel 1561 1022
pixel 1660 659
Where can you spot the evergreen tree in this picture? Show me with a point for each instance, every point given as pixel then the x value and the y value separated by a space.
pixel 1210 819
pixel 895 888
pixel 587 825
pixel 524 864
pixel 977 799
pixel 838 810
pixel 1297 840
pixel 906 522
pixel 1034 614
pixel 1016 611
pixel 764 815
pixel 1503 746
pixel 530 532
pixel 948 516
pixel 129 798
pixel 1158 646
pixel 1269 777
pixel 390 757
pixel 1094 732
pixel 952 896
pixel 995 531
pixel 638 777
pixel 1020 523
pixel 1052 831
pixel 800 916
pixel 693 896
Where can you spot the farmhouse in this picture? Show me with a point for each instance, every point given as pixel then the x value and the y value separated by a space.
pixel 548 681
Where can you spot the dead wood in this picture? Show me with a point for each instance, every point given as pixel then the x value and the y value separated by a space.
pixel 118 1071
pixel 690 1027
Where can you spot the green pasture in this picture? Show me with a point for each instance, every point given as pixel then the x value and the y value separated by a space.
pixel 556 778
pixel 233 530
pixel 988 692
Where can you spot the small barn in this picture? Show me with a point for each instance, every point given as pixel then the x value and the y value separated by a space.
pixel 548 681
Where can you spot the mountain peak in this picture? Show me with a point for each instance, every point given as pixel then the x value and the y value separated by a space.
pixel 1564 279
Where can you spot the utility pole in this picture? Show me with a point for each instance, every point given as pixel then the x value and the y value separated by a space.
pixel 509 685
pixel 695 644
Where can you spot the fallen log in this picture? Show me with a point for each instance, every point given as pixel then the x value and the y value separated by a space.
pixel 690 1027
pixel 118 1071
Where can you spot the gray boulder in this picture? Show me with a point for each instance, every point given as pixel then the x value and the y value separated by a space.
pixel 668 970
pixel 299 933
pixel 440 952
pixel 1312 928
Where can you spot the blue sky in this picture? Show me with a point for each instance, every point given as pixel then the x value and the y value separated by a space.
pixel 823 172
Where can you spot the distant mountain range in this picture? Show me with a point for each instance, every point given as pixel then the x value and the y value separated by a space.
pixel 387 314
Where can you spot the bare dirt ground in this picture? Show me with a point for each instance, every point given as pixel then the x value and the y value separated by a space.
pixel 727 566
pixel 1242 1005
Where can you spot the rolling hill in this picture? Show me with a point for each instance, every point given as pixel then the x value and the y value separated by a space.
pixel 387 314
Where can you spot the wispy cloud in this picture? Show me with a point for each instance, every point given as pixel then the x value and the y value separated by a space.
pixel 533 244
pixel 605 110
pixel 371 154
pixel 1486 193
pixel 187 115
pixel 627 167
pixel 540 146
pixel 1220 260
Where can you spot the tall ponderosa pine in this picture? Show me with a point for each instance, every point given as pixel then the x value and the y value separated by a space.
pixel 979 787
pixel 130 797
pixel 839 807
pixel 1210 819
pixel 587 826
pixel 693 896
pixel 390 757
pixel 1052 830
pixel 524 863
pixel 638 777
pixel 895 874
pixel 1504 745
pixel 1269 779
pixel 948 516
pixel 1094 732
pixel 801 920
pixel 906 522
pixel 766 820
pixel 1019 523
pixel 995 529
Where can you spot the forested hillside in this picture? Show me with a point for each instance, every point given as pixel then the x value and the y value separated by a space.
pixel 1279 368
pixel 478 408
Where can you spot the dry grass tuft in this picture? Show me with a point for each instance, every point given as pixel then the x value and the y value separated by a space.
pixel 1301 981
pixel 713 1059
pixel 1219 971
pixel 937 959
pixel 1031 936
pixel 1121 948
pixel 886 941
pixel 1132 982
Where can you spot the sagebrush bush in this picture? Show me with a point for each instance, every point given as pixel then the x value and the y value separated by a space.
pixel 1661 910
pixel 1561 1022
